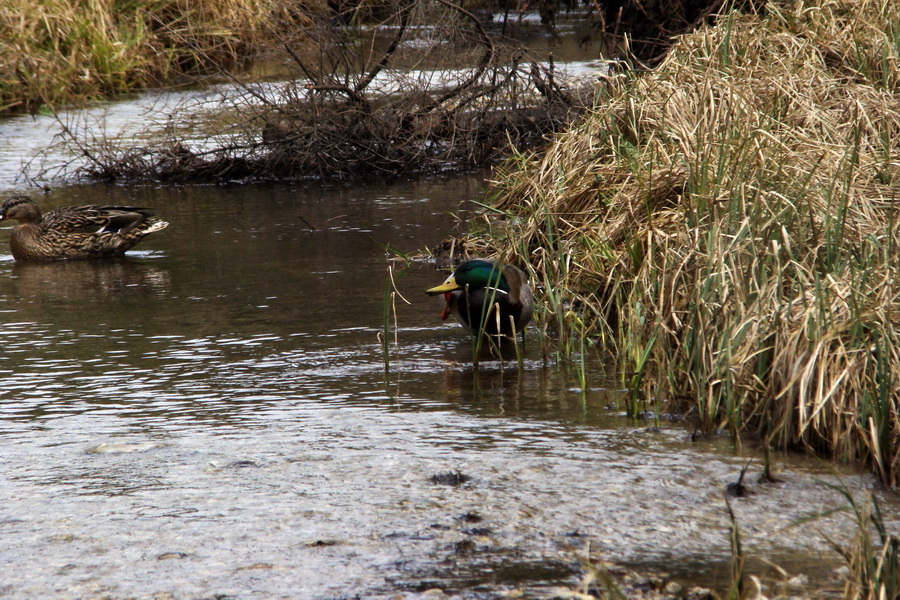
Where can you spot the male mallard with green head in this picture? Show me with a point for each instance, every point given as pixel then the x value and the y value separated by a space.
pixel 75 231
pixel 487 296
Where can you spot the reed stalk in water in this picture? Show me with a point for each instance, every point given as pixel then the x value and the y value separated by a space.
pixel 873 557
pixel 738 584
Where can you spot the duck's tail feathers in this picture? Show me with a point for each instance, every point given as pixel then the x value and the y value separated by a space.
pixel 156 226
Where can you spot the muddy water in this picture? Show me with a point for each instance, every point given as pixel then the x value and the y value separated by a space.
pixel 210 417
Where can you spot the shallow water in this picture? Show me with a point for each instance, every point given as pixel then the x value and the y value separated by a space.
pixel 210 417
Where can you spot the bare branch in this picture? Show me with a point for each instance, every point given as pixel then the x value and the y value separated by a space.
pixel 486 59
pixel 403 14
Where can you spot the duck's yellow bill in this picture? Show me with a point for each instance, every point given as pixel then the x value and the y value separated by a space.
pixel 448 286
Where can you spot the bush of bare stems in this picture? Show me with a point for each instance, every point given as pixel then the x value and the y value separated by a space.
pixel 727 225
pixel 429 90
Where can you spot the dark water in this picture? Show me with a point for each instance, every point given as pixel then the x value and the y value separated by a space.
pixel 210 417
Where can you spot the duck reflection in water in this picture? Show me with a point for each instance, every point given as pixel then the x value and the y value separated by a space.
pixel 86 281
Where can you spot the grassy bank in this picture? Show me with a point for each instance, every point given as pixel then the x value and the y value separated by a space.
pixel 56 52
pixel 727 225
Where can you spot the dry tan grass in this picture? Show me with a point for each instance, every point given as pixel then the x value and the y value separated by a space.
pixel 729 218
pixel 58 51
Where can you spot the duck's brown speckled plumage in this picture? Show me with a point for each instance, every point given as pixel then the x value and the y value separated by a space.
pixel 75 231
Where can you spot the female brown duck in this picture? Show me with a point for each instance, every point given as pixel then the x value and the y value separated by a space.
pixel 75 231
pixel 486 296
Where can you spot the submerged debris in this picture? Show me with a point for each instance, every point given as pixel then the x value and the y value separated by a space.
pixel 452 478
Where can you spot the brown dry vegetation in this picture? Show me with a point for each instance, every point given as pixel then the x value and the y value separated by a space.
pixel 338 117
pixel 643 29
pixel 429 89
pixel 727 225
pixel 57 52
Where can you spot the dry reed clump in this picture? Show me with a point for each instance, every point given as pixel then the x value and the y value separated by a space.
pixel 57 51
pixel 727 222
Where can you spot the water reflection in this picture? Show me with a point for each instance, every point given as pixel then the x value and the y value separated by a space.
pixel 87 281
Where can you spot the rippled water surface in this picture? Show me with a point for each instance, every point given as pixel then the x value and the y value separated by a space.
pixel 210 417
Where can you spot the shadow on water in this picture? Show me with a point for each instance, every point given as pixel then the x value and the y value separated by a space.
pixel 210 415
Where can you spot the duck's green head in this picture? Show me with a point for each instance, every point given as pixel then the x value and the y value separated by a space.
pixel 473 274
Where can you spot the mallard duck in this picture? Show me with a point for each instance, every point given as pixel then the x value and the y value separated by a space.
pixel 75 231
pixel 489 297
